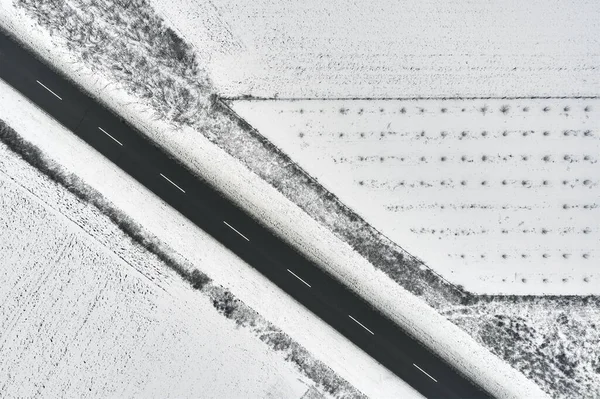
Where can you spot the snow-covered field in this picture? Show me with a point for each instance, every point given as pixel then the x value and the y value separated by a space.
pixel 78 321
pixel 394 48
pixel 500 196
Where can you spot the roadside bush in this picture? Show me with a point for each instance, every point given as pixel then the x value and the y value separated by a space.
pixel 225 303
pixel 198 279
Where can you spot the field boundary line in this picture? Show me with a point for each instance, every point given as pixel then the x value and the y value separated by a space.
pixel 416 98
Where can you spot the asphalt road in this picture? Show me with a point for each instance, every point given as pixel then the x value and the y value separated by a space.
pixel 206 207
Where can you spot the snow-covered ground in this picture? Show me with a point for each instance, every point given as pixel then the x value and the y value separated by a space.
pixel 554 342
pixel 394 48
pixel 321 341
pixel 101 69
pixel 499 202
pixel 78 321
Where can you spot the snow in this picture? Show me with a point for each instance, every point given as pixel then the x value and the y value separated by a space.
pixel 78 321
pixel 555 342
pixel 278 213
pixel 320 339
pixel 323 342
pixel 350 48
pixel 446 183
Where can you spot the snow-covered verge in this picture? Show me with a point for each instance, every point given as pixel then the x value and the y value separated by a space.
pixel 147 234
pixel 498 195
pixel 103 67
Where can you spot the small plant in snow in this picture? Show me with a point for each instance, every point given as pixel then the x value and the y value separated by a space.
pixel 198 279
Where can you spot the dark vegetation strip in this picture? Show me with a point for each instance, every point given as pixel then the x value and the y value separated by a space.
pixel 221 298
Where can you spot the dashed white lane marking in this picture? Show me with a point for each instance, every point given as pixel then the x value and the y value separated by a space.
pixel 233 228
pixel 169 180
pixel 295 275
pixel 362 325
pixel 44 86
pixel 105 132
pixel 425 372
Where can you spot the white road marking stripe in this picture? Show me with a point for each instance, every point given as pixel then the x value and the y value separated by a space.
pixel 295 275
pixel 105 132
pixel 424 372
pixel 169 180
pixel 44 86
pixel 233 228
pixel 362 325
